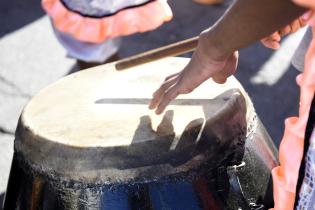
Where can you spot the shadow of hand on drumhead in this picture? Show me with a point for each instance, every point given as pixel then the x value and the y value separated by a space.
pixel 220 135
pixel 165 128
pixel 154 145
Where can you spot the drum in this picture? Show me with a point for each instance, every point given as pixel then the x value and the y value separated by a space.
pixel 89 142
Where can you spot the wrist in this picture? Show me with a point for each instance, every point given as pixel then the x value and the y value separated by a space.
pixel 211 46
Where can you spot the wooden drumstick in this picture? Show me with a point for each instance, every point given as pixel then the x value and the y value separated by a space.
pixel 174 49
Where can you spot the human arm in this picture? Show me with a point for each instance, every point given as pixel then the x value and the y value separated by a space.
pixel 246 22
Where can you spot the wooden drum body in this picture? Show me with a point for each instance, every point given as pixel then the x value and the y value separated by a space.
pixel 89 142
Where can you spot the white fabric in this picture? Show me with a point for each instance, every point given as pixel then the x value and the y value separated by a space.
pixel 101 7
pixel 111 6
pixel 307 191
pixel 88 52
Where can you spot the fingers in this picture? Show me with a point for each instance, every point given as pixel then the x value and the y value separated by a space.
pixel 285 30
pixel 291 28
pixel 302 22
pixel 167 92
pixel 275 36
pixel 158 94
pixel 169 95
pixel 307 16
pixel 271 44
pixel 295 25
pixel 171 76
pixel 272 41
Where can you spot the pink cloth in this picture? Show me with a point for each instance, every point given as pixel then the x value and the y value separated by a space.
pixel 285 176
pixel 97 30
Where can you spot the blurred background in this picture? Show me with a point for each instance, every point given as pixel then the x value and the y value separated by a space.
pixel 31 58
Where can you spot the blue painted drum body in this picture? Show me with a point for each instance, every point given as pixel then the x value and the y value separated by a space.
pixel 81 145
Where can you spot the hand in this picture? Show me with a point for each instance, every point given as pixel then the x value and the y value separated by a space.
pixel 201 67
pixel 273 41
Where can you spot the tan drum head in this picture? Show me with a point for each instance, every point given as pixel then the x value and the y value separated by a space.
pixel 103 114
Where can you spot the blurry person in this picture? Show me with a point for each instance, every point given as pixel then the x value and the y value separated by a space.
pixel 90 30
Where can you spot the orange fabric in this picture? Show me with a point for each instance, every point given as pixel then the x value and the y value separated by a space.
pixel 290 155
pixel 285 176
pixel 97 30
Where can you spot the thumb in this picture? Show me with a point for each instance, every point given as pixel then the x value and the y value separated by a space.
pixel 228 69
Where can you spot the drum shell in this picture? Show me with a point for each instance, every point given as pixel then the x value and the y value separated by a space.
pixel 200 189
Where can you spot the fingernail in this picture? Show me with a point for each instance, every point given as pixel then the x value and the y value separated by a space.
pixel 151 104
pixel 306 16
pixel 158 111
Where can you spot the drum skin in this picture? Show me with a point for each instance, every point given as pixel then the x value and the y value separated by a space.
pixel 89 142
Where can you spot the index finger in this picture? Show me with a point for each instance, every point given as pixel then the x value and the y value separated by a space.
pixel 170 94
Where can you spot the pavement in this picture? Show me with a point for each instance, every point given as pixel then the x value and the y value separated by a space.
pixel 31 58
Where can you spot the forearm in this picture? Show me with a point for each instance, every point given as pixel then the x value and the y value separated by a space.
pixel 247 21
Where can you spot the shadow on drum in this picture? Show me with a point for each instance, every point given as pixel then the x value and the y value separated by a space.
pixel 220 135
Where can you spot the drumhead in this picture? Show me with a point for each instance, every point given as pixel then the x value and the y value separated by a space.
pixel 98 119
